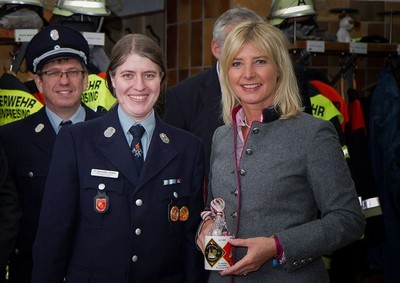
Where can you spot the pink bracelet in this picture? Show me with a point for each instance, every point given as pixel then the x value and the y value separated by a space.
pixel 279 249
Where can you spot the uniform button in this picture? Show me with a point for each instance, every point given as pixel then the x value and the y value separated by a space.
pixel 234 214
pixel 175 195
pixel 256 130
pixel 135 258
pixel 242 172
pixel 310 259
pixel 295 263
pixel 16 251
pixel 303 261
pixel 138 231
pixel 138 202
pixel 30 174
pixel 235 192
pixel 249 151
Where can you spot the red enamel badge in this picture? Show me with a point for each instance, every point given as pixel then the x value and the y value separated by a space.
pixel 101 202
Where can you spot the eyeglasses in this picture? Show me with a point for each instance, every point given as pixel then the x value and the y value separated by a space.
pixel 58 74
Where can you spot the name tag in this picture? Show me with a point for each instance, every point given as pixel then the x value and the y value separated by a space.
pixel 104 173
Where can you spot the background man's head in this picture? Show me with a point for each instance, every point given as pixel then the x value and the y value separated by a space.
pixel 226 22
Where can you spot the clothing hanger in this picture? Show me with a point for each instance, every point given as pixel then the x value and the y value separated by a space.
pixel 344 68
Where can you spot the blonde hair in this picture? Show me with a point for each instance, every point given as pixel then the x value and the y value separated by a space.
pixel 272 42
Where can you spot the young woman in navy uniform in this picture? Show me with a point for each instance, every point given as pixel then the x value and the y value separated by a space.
pixel 102 219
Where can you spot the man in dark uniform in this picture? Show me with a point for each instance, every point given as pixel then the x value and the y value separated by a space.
pixel 58 57
pixel 10 214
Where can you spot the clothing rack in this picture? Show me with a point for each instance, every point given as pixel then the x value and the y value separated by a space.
pixel 308 48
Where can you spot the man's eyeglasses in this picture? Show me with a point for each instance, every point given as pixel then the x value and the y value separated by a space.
pixel 58 74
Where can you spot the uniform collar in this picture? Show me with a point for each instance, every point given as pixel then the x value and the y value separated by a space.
pixel 148 124
pixel 55 120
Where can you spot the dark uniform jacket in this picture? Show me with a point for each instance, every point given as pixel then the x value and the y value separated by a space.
pixel 195 105
pixel 138 238
pixel 10 214
pixel 29 146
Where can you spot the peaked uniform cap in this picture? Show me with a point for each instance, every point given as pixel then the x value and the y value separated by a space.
pixel 56 42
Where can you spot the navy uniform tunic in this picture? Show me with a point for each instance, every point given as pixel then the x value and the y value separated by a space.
pixel 136 239
pixel 29 145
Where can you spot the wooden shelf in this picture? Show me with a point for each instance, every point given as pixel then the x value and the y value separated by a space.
pixel 337 48
pixel 6 33
pixel 6 36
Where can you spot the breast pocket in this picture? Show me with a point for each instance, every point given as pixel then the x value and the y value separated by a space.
pixel 30 181
pixel 175 199
pixel 102 201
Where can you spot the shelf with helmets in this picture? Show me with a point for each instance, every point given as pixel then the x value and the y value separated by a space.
pixel 21 14
pixel 343 48
pixel 298 18
pixel 29 14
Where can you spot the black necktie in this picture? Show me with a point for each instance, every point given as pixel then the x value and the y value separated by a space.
pixel 65 123
pixel 137 132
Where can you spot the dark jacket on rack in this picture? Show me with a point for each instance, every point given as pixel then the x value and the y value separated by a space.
pixel 385 155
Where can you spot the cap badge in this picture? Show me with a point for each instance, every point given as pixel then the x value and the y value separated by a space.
pixel 54 34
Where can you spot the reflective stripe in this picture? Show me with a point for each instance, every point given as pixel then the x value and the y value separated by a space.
pixel 327 261
pixel 376 211
pixel 324 109
pixel 371 207
pixel 84 4
pixel 97 95
pixel 370 203
pixel 345 150
pixel 16 105
pixel 292 11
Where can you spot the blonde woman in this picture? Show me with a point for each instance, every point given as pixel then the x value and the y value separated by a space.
pixel 289 195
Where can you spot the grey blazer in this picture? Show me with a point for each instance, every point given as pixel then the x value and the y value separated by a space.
pixel 292 181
